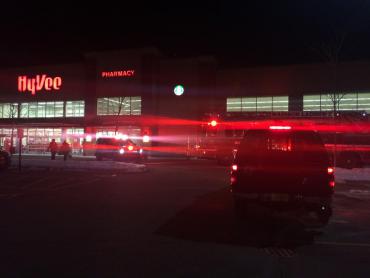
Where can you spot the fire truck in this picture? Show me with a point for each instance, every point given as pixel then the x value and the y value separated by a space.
pixel 346 135
pixel 217 138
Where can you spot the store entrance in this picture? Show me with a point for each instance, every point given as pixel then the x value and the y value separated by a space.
pixel 36 140
pixel 75 137
pixel 6 137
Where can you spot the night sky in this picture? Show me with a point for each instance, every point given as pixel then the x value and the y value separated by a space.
pixel 244 33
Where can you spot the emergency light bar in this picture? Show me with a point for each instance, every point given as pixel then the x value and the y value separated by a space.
pixel 146 139
pixel 213 123
pixel 280 127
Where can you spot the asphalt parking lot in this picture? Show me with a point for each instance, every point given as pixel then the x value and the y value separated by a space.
pixel 174 220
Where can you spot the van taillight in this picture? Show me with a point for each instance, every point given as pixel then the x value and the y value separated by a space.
pixel 331 177
pixel 232 180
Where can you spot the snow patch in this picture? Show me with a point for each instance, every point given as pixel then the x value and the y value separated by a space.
pixel 357 174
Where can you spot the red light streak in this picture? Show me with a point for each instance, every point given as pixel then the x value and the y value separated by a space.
pixel 320 125
pixel 342 147
pixel 175 139
pixel 147 120
pixel 330 170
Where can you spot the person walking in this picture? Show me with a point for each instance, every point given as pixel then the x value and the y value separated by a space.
pixel 84 145
pixel 53 148
pixel 65 150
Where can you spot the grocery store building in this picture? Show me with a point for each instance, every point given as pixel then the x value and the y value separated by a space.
pixel 135 92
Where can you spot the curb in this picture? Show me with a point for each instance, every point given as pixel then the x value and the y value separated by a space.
pixel 83 166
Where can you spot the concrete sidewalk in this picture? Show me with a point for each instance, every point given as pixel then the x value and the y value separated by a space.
pixel 78 165
pixel 46 156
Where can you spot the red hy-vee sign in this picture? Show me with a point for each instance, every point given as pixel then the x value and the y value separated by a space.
pixel 40 82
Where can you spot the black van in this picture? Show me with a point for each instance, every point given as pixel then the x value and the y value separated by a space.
pixel 283 171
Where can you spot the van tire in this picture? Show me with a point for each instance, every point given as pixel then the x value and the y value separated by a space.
pixel 240 209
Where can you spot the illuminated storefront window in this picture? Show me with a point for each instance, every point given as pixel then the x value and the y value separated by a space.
pixel 234 104
pixel 264 104
pixel 249 104
pixel 363 102
pixel 6 136
pixel 280 103
pixel 311 103
pixel 53 109
pixel 119 106
pixel 257 104
pixel 75 131
pixel 74 137
pixel 135 105
pixel 347 102
pixel 49 109
pixel 75 108
pixel 8 110
pixel 326 103
pixel 36 140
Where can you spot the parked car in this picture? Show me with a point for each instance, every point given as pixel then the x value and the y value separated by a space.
pixel 119 149
pixel 4 159
pixel 283 171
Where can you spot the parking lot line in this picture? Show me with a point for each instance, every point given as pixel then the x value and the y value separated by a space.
pixel 74 184
pixel 35 182
pixel 279 252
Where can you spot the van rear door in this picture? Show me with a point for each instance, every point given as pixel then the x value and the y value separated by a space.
pixel 293 162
